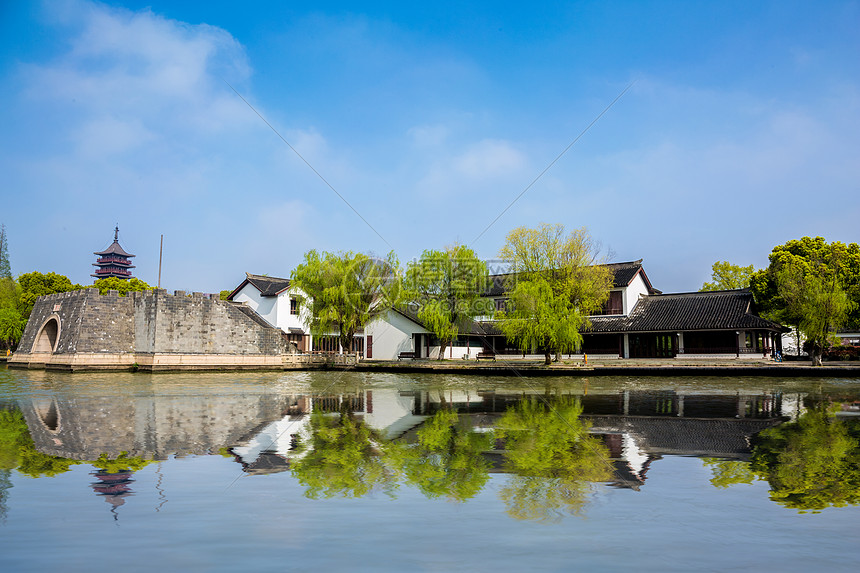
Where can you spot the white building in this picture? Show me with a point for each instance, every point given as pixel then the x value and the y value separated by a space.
pixel 637 321
pixel 277 303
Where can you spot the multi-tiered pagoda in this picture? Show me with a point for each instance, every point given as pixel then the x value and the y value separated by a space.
pixel 113 261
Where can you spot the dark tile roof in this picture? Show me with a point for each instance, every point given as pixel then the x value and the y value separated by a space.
pixel 465 326
pixel 268 286
pixel 114 249
pixel 691 436
pixel 497 285
pixel 623 275
pixel 715 310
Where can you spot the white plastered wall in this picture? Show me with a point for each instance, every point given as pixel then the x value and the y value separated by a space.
pixel 633 292
pixel 265 306
pixel 392 334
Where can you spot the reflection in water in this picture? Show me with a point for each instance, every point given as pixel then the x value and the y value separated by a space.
pixel 5 486
pixel 552 456
pixel 114 487
pixel 729 472
pixel 447 458
pixel 342 458
pixel 812 463
pixel 553 443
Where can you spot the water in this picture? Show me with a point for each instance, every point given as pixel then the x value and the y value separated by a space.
pixel 217 472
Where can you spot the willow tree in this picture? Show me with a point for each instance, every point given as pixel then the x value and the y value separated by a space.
pixel 553 458
pixel 342 457
pixel 344 292
pixel 556 282
pixel 448 458
pixel 447 286
pixel 814 295
pixel 811 464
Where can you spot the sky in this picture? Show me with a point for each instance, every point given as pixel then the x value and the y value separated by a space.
pixel 249 133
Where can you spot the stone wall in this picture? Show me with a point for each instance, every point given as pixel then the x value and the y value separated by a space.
pixel 197 324
pixel 153 427
pixel 88 322
pixel 152 329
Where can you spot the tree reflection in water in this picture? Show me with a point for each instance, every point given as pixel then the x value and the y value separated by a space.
pixel 553 458
pixel 343 457
pixel 447 460
pixel 811 464
pixel 17 450
pixel 729 472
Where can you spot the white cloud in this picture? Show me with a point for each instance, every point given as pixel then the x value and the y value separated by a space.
pixel 105 136
pixel 166 74
pixel 490 159
pixel 429 135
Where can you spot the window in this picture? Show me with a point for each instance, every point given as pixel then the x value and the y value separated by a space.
pixel 613 305
pixel 294 306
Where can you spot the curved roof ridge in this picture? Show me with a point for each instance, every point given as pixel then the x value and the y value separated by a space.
pixel 706 292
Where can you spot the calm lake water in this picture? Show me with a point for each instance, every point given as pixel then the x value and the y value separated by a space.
pixel 362 472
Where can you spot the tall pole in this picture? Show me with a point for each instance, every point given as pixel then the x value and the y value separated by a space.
pixel 160 249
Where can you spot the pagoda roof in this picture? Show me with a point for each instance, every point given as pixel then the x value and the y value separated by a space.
pixel 114 249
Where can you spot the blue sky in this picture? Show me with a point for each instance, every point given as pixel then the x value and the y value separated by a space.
pixel 741 130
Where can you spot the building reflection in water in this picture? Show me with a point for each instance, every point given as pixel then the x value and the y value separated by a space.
pixel 113 487
pixel 268 432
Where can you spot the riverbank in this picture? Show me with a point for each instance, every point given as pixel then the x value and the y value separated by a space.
pixel 501 367
pixel 639 367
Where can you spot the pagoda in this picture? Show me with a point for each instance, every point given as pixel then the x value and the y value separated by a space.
pixel 113 261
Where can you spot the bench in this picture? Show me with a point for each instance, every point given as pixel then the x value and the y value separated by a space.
pixel 402 355
pixel 485 356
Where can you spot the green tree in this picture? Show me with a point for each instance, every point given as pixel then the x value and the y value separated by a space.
pixel 123 462
pixel 346 291
pixel 447 286
pixel 36 284
pixel 17 450
pixel 342 458
pixel 823 266
pixel 812 463
pixel 447 458
pixel 555 284
pixel 553 458
pixel 224 294
pixel 124 286
pixel 12 326
pixel 12 321
pixel 727 276
pixel 814 296
pixel 729 472
pixel 5 267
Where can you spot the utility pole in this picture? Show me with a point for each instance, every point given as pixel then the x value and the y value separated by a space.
pixel 160 250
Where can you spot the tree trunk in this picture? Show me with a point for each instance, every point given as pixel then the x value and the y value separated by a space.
pixel 443 344
pixel 547 358
pixel 816 358
pixel 797 335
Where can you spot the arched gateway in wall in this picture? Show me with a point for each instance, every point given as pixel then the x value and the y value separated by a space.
pixel 46 340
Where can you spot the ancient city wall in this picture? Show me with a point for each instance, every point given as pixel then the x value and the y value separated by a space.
pixel 84 428
pixel 150 330
pixel 199 325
